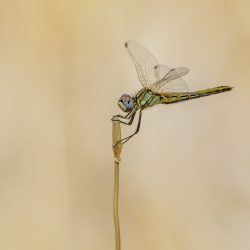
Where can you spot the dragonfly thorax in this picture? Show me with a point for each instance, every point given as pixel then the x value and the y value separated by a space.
pixel 126 103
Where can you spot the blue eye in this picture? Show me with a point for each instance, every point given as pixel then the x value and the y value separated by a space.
pixel 130 104
pixel 126 103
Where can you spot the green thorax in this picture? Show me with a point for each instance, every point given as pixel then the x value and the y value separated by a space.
pixel 147 98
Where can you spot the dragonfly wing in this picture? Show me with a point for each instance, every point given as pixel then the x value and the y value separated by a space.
pixel 169 80
pixel 144 63
pixel 160 72
pixel 176 85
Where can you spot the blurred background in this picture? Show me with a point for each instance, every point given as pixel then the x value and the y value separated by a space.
pixel 184 179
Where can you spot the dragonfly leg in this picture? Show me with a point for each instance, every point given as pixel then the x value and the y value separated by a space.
pixel 115 117
pixel 124 140
pixel 128 123
pixel 130 116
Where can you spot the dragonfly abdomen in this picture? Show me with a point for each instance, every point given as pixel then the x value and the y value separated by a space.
pixel 167 98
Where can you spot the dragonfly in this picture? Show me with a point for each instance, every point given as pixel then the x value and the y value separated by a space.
pixel 161 85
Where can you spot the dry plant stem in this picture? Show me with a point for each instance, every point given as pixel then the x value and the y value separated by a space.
pixel 116 214
pixel 116 134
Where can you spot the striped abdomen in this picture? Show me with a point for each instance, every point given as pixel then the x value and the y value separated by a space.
pixel 167 98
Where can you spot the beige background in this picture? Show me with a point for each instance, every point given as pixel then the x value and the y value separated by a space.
pixel 184 177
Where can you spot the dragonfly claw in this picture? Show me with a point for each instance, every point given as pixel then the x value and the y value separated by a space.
pixel 115 119
pixel 117 143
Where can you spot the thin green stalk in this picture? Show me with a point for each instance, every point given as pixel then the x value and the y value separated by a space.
pixel 117 151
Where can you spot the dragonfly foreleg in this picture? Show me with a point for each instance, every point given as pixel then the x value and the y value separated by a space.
pixel 130 116
pixel 124 140
pixel 127 116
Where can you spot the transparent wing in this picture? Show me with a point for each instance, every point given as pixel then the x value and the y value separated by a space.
pixel 169 80
pixel 176 85
pixel 144 62
pixel 160 72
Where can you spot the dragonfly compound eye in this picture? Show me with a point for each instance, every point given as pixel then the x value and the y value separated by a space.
pixel 130 103
pixel 125 103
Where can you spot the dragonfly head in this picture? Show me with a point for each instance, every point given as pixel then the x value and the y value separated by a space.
pixel 126 103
